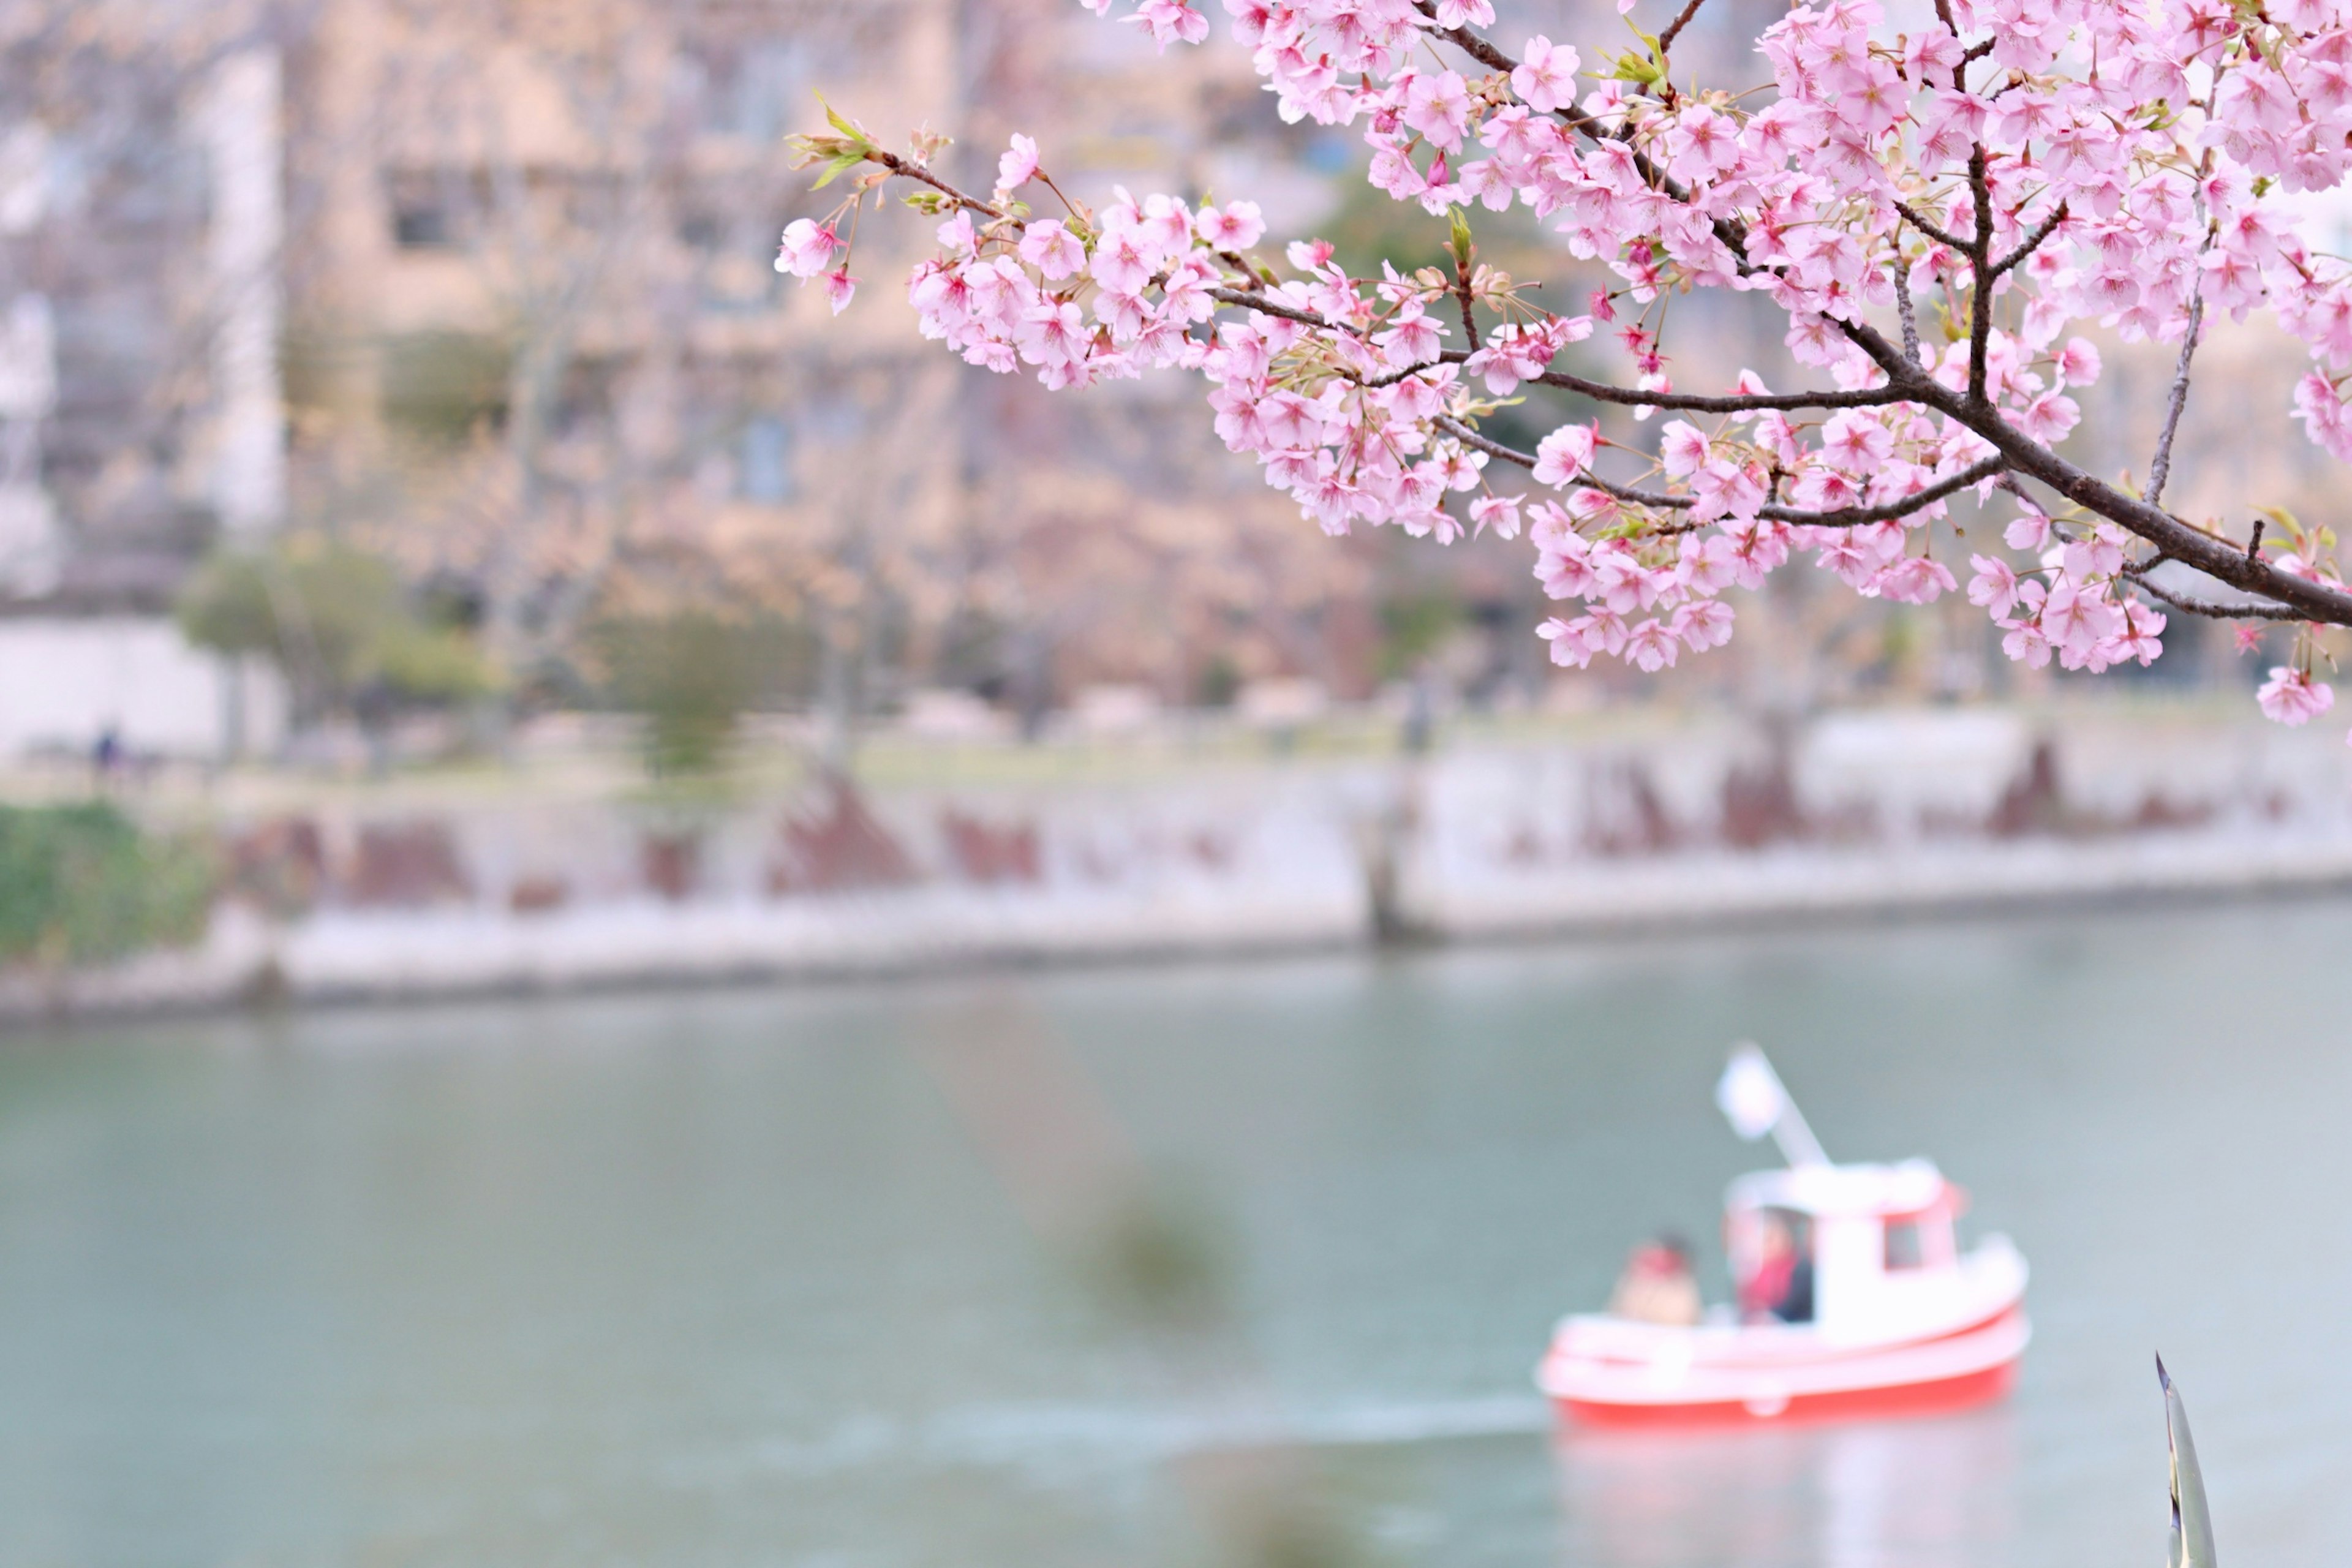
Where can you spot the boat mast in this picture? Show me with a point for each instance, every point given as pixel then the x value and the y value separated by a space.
pixel 1756 1103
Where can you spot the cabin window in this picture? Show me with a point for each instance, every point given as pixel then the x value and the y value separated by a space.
pixel 1902 1245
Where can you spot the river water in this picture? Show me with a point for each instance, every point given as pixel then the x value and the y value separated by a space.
pixel 1159 1266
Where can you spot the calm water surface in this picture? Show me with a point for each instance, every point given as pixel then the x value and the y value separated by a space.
pixel 818 1278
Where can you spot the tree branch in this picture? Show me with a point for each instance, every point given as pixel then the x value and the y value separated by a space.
pixel 2217 558
pixel 1859 516
pixel 2160 467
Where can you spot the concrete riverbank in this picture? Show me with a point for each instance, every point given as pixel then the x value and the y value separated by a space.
pixel 1593 829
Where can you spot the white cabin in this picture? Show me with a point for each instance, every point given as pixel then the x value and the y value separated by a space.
pixel 1886 1264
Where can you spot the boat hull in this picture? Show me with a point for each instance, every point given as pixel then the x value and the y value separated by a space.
pixel 1953 1371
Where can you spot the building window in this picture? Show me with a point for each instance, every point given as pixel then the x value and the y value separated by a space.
pixel 421 228
pixel 764 464
pixel 757 89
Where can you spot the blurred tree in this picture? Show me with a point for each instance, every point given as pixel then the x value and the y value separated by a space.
pixel 336 620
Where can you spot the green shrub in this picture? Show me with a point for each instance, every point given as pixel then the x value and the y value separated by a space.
pixel 81 884
pixel 691 676
pixel 335 619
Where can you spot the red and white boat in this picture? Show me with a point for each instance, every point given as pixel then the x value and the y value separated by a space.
pixel 1901 1322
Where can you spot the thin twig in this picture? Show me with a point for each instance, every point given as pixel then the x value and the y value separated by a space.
pixel 1266 307
pixel 1910 316
pixel 2207 607
pixel 1732 402
pixel 1733 234
pixel 1981 260
pixel 2160 467
pixel 1599 391
pixel 1844 516
pixel 1919 220
pixel 2042 231
pixel 906 168
pixel 1674 29
pixel 1462 294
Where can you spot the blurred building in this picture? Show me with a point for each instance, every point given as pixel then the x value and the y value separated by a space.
pixel 488 288
pixel 141 200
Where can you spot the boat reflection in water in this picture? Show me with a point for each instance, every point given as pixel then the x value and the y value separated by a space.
pixel 1935 1493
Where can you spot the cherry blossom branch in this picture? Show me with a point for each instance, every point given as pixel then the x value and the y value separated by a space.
pixel 1843 517
pixel 1730 402
pixel 1600 391
pixel 1889 512
pixel 2217 558
pixel 1980 261
pixel 1342 386
pixel 1729 231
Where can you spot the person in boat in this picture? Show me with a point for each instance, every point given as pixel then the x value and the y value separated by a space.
pixel 1658 1285
pixel 1779 1288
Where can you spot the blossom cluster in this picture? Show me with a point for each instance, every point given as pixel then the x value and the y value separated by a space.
pixel 1933 191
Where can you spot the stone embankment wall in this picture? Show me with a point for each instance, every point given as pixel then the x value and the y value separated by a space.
pixel 1665 823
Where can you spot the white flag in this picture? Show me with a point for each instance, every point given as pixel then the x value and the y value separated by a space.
pixel 1750 1092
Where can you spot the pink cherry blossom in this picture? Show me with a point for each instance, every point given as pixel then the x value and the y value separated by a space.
pixel 808 248
pixel 1499 512
pixel 1683 448
pixel 1570 646
pixel 1565 453
pixel 1236 225
pixel 1054 250
pixel 1650 645
pixel 2291 698
pixel 1018 166
pixel 1994 586
pixel 1914 580
pixel 1546 77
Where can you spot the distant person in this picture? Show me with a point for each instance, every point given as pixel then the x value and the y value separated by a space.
pixel 1658 1285
pixel 106 756
pixel 1780 1287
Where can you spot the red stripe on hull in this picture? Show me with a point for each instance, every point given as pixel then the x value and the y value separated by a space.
pixel 1934 1398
